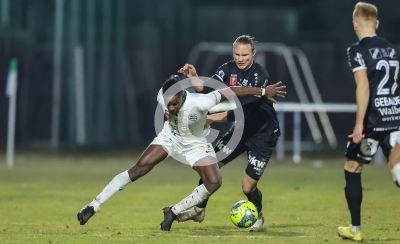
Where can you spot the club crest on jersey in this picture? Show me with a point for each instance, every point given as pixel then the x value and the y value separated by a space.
pixel 193 117
pixel 233 80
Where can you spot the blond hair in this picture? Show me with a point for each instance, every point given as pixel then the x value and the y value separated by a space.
pixel 365 12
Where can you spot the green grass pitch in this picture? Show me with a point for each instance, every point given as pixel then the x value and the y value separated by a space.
pixel 40 196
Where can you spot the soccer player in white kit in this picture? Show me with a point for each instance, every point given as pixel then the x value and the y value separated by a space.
pixel 183 136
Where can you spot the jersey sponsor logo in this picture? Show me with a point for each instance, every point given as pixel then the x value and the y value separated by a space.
pixel 391 118
pixel 223 148
pixel 388 106
pixel 244 82
pixel 389 111
pixel 259 165
pixel 391 52
pixel 233 80
pixel 387 101
pixel 375 53
pixel 388 129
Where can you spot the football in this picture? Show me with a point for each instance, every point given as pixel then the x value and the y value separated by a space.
pixel 244 214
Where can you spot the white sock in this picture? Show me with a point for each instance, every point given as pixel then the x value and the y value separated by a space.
pixel 355 229
pixel 115 185
pixel 198 195
pixel 396 172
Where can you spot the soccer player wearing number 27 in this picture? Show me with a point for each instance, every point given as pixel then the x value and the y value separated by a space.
pixel 375 65
pixel 183 135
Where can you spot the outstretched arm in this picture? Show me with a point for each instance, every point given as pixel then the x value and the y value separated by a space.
pixel 269 92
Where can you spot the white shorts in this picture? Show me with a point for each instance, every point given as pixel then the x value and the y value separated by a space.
pixel 185 150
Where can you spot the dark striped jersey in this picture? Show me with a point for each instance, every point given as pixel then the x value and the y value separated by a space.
pixel 259 113
pixel 380 60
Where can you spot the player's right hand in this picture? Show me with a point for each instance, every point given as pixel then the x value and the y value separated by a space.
pixel 276 89
pixel 188 70
pixel 357 134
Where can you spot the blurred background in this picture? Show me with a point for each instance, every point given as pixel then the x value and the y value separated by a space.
pixel 89 70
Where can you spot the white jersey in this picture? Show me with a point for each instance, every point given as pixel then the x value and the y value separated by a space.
pixel 184 135
pixel 192 116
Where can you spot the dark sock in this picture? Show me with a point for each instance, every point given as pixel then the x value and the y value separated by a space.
pixel 203 204
pixel 353 193
pixel 256 198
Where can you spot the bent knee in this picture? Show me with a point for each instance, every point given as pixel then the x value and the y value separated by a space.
pixel 353 166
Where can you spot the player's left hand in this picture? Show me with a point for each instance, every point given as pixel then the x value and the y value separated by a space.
pixel 276 89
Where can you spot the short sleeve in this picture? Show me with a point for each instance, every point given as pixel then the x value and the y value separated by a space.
pixel 221 73
pixel 355 58
pixel 207 101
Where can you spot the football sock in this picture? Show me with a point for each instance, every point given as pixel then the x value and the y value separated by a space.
pixel 355 229
pixel 256 198
pixel 396 173
pixel 204 203
pixel 353 193
pixel 198 195
pixel 115 185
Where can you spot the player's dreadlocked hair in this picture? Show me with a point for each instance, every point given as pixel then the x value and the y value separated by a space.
pixel 246 39
pixel 172 86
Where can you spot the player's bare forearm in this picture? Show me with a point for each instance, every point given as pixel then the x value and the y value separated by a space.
pixel 240 92
pixel 362 95
pixel 218 117
pixel 197 84
pixel 362 98
pixel 269 92
pixel 190 71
